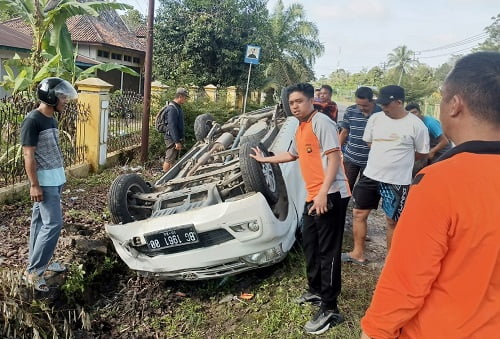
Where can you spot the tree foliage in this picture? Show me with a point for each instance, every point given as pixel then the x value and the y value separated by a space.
pixel 203 42
pixel 492 42
pixel 402 59
pixel 294 45
pixel 53 52
pixel 133 19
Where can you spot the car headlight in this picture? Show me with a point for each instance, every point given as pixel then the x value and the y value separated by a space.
pixel 252 225
pixel 264 257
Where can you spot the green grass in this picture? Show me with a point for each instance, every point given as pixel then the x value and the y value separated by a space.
pixel 271 313
pixel 151 308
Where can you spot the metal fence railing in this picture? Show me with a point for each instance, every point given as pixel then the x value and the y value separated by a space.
pixel 13 109
pixel 125 120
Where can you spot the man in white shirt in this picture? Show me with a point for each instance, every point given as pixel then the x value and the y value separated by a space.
pixel 395 138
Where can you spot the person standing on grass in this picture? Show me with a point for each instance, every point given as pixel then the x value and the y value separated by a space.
pixel 439 143
pixel 442 276
pixel 353 127
pixel 43 162
pixel 396 138
pixel 174 121
pixel 325 104
pixel 318 151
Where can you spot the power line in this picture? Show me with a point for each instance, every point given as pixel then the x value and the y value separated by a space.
pixel 463 42
pixel 446 54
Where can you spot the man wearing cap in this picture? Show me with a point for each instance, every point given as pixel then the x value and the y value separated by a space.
pixel 174 136
pixel 395 138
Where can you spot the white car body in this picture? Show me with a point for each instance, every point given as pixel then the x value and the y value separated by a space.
pixel 235 235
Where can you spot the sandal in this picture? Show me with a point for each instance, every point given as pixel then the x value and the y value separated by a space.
pixel 37 281
pixel 56 267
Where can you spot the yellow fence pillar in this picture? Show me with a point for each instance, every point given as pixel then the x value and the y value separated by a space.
pixel 193 93
pixel 94 93
pixel 211 91
pixel 231 96
pixel 157 88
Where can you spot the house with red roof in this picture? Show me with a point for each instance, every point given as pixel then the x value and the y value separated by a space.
pixel 101 39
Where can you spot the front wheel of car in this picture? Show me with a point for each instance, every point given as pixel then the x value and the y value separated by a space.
pixel 259 177
pixel 123 203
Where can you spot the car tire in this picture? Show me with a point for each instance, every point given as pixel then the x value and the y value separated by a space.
pixel 285 103
pixel 254 135
pixel 121 201
pixel 202 125
pixel 259 177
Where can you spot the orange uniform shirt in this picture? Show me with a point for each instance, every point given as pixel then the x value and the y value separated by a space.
pixel 442 275
pixel 314 139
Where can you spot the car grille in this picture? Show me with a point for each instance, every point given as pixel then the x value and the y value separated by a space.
pixel 207 239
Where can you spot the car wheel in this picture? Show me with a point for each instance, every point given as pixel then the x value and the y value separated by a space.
pixel 259 177
pixel 123 205
pixel 202 125
pixel 284 102
pixel 254 134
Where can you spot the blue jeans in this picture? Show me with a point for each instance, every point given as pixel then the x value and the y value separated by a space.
pixel 46 225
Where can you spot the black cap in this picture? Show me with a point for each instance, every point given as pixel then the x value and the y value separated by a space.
pixel 390 93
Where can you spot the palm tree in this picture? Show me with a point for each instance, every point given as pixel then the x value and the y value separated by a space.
pixel 294 45
pixel 47 19
pixel 402 59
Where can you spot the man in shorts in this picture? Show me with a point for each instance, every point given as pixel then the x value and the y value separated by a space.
pixel 174 136
pixel 353 126
pixel 395 138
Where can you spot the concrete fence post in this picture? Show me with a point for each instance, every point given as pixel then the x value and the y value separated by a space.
pixel 94 93
pixel 193 93
pixel 211 91
pixel 231 96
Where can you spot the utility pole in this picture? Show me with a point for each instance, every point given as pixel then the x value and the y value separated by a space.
pixel 148 63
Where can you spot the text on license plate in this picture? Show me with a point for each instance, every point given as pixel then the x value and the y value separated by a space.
pixel 172 238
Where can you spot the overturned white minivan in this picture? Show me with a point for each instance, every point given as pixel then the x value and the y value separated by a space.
pixel 217 212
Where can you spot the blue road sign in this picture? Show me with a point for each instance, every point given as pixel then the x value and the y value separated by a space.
pixel 252 55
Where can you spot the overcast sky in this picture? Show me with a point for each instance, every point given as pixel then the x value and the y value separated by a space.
pixel 359 34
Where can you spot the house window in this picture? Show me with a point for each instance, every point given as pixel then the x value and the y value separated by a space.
pixel 116 56
pixel 103 54
pixel 127 58
pixel 137 61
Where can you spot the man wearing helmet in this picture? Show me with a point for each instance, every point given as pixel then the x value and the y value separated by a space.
pixel 43 162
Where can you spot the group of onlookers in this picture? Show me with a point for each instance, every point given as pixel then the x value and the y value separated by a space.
pixel 441 278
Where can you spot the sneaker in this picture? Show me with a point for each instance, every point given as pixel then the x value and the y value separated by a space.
pixel 308 297
pixel 322 321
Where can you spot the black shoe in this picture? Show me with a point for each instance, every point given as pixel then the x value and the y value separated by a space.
pixel 322 321
pixel 309 297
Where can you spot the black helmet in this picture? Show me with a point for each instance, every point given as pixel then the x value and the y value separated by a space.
pixel 50 90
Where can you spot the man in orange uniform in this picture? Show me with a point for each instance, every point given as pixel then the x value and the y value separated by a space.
pixel 318 151
pixel 442 275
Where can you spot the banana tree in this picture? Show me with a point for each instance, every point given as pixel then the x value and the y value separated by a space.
pixel 53 52
pixel 55 66
pixel 47 20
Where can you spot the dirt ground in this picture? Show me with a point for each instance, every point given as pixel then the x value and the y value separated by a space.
pixel 84 238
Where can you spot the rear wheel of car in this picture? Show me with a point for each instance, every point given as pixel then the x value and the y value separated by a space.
pixel 259 177
pixel 284 102
pixel 123 205
pixel 202 125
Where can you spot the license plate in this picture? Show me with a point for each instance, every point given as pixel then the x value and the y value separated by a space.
pixel 172 238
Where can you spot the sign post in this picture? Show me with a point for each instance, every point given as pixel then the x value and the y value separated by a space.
pixel 252 56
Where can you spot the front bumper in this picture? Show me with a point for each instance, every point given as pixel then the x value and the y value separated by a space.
pixel 229 250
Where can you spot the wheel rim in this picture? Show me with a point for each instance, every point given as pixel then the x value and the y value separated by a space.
pixel 268 172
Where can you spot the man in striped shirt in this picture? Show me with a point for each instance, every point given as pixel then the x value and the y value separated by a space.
pixel 353 127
